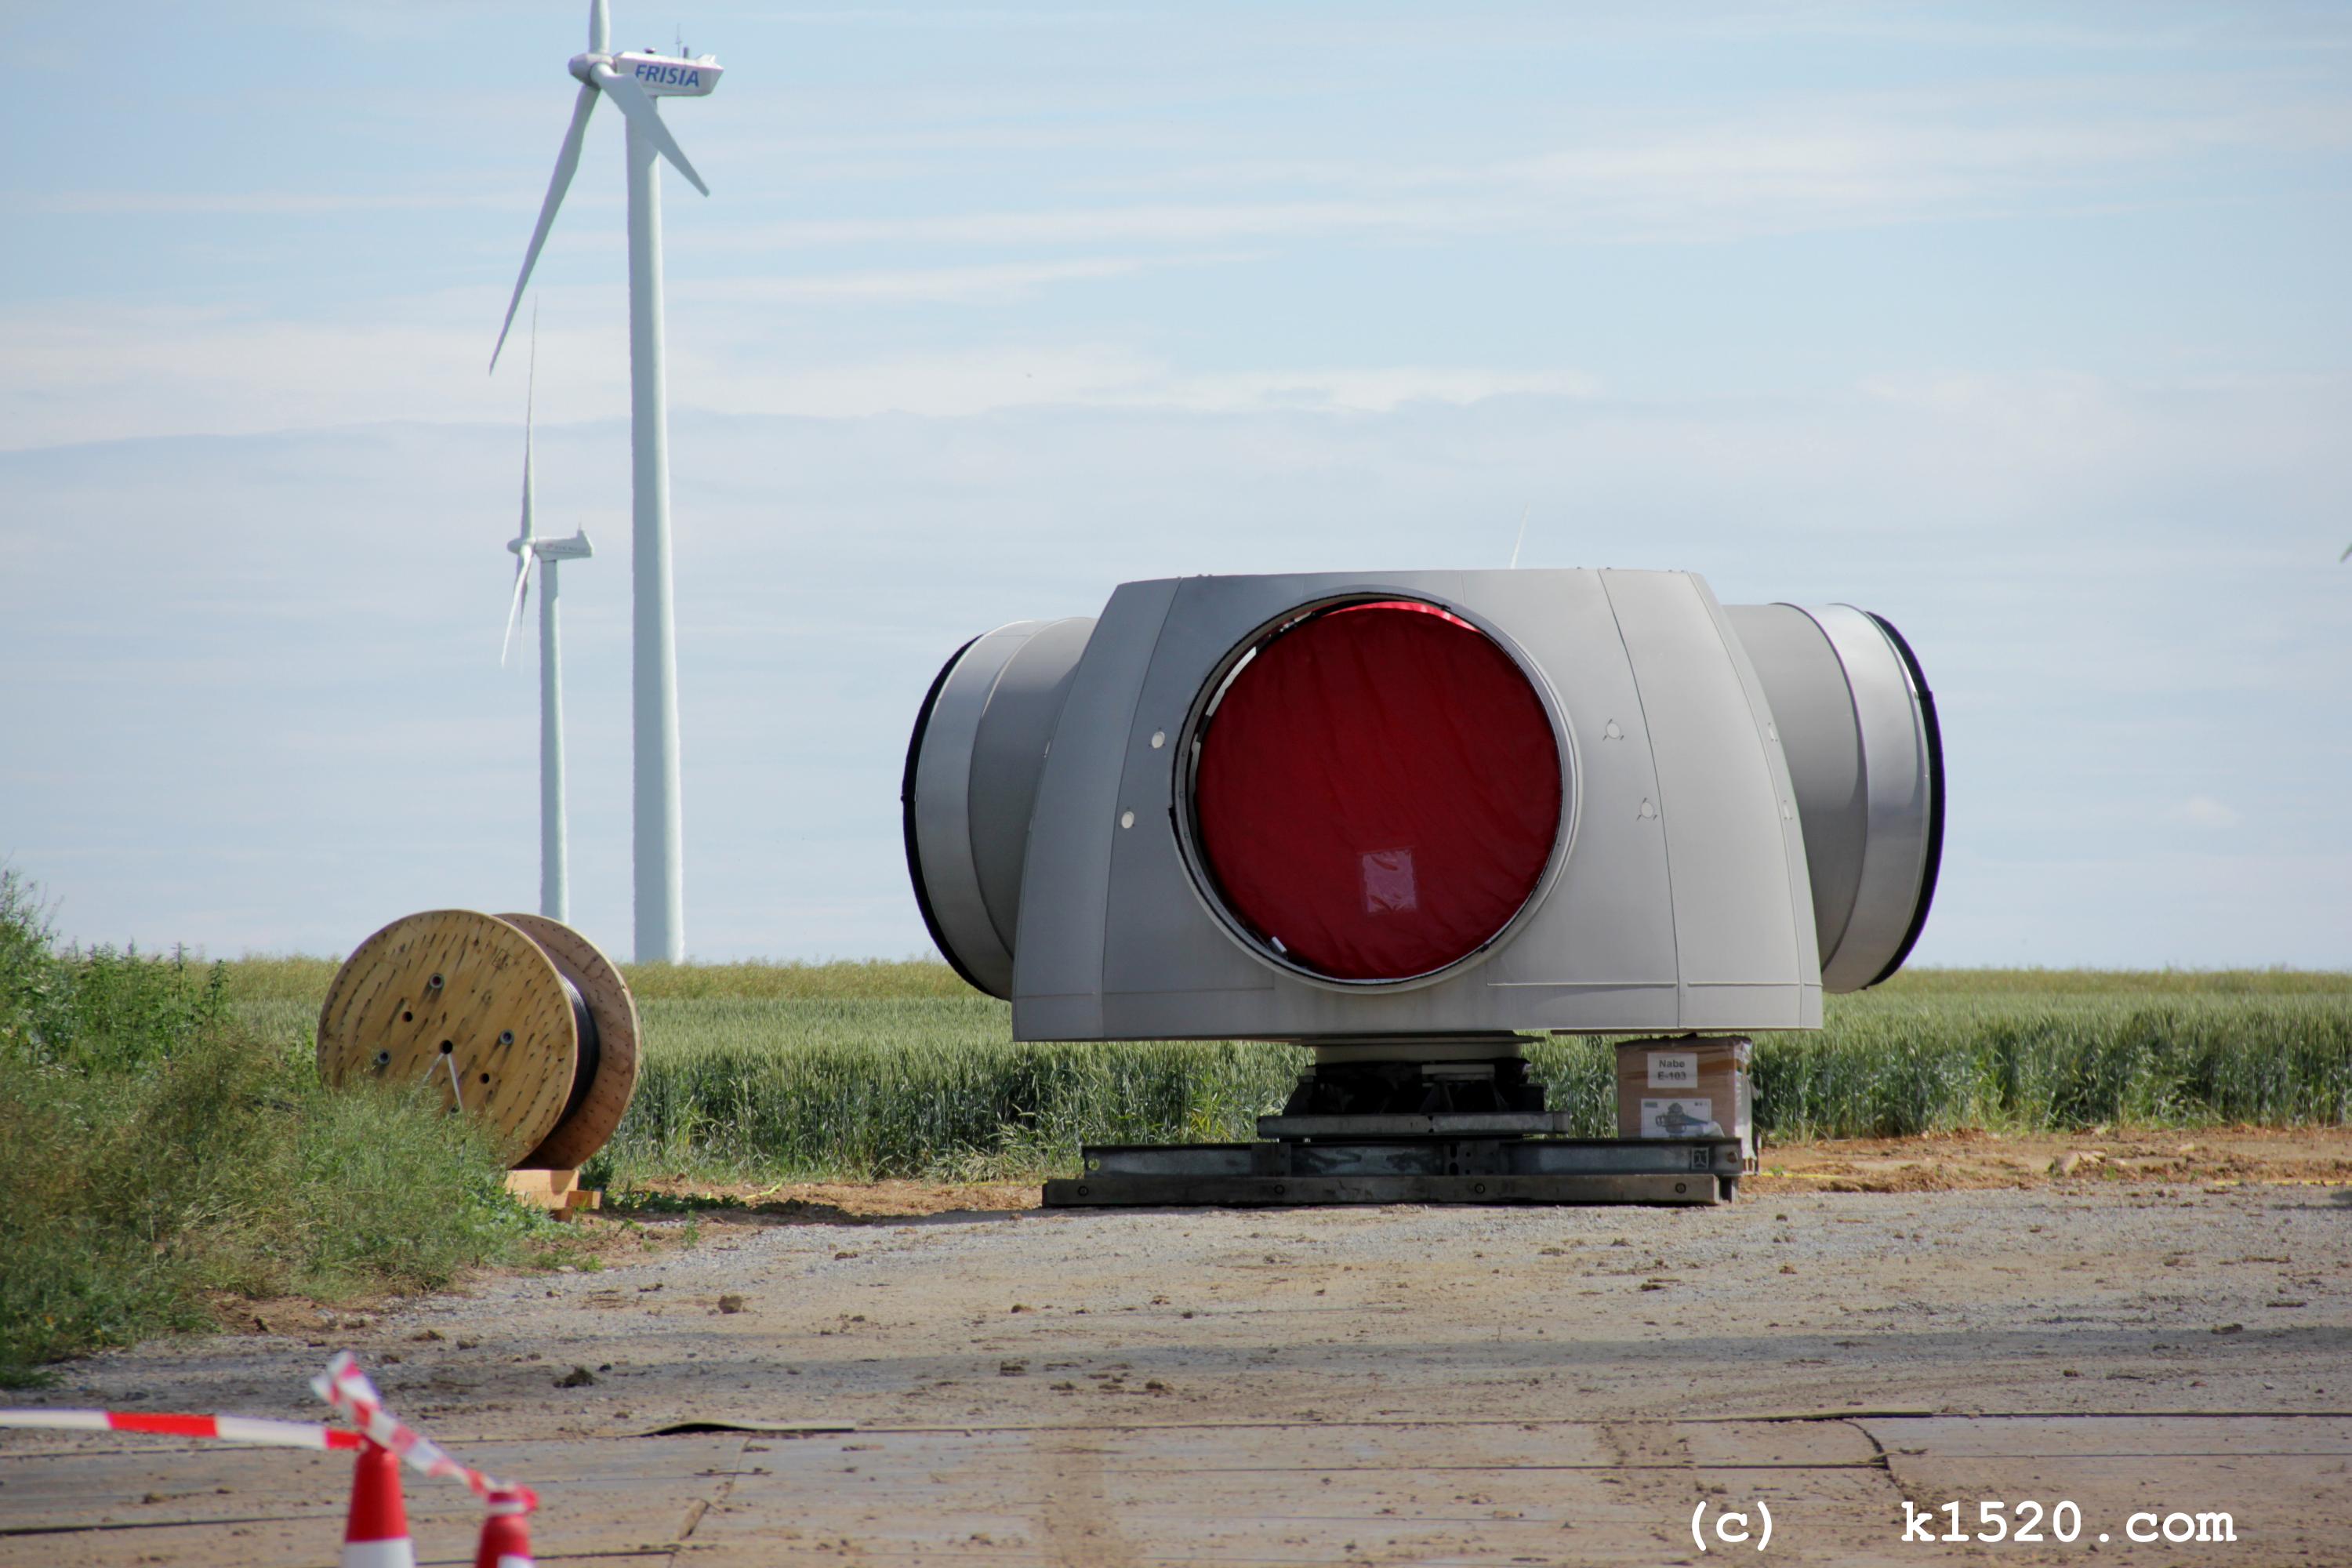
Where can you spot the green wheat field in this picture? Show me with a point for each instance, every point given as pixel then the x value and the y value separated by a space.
pixel 873 1069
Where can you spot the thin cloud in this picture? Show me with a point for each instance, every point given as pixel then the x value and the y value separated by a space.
pixel 1777 171
pixel 1374 390
pixel 1003 280
pixel 163 373
pixel 2203 811
pixel 247 203
pixel 951 385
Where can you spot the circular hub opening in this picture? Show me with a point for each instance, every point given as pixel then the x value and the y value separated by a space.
pixel 1377 791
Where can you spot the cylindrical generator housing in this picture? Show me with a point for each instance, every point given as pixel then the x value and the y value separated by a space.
pixel 1328 807
pixel 970 786
pixel 1858 725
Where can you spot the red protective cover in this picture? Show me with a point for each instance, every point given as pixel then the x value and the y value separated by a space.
pixel 1378 791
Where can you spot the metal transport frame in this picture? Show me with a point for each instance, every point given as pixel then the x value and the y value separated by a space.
pixel 1438 1158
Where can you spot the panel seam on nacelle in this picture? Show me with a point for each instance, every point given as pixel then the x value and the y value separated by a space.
pixel 1126 765
pixel 1797 869
pixel 1657 782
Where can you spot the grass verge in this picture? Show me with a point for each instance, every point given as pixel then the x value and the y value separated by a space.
pixel 157 1155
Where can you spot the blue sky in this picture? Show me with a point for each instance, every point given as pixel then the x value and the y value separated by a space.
pixel 2023 326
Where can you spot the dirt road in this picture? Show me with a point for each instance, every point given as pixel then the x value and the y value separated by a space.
pixel 1008 1385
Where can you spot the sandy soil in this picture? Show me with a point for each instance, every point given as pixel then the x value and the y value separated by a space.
pixel 1937 1162
pixel 1873 1324
pixel 1964 1160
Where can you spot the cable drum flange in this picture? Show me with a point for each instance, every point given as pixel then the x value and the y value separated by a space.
pixel 607 1077
pixel 516 1022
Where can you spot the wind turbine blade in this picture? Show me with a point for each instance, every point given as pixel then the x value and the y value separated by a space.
pixel 514 614
pixel 631 100
pixel 599 29
pixel 1522 539
pixel 530 396
pixel 566 160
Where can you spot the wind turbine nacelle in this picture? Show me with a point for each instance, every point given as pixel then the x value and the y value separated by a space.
pixel 662 75
pixel 1333 807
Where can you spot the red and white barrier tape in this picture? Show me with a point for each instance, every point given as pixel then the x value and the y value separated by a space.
pixel 226 1428
pixel 347 1388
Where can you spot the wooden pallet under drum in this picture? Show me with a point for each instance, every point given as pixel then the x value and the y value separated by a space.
pixel 558 1192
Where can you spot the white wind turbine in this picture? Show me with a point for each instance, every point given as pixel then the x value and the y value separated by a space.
pixel 633 80
pixel 529 550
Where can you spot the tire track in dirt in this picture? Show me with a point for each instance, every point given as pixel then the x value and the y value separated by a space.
pixel 1074 1509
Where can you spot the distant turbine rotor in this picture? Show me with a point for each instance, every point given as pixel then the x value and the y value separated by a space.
pixel 595 72
pixel 633 80
pixel 534 552
pixel 524 555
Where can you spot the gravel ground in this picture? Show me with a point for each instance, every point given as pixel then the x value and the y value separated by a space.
pixel 2048 1300
pixel 2116 1298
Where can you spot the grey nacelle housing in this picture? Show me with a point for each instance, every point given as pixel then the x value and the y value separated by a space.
pixel 1752 807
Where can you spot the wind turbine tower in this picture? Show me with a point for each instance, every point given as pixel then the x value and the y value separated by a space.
pixel 633 80
pixel 529 550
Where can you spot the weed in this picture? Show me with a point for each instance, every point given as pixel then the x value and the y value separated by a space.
pixel 155 1151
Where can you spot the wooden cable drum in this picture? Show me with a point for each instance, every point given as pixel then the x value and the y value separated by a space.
pixel 517 1021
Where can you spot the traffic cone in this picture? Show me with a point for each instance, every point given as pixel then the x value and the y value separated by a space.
pixel 376 1533
pixel 506 1531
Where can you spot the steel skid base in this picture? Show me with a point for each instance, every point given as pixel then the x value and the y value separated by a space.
pixel 1409 1120
pixel 1411 1160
